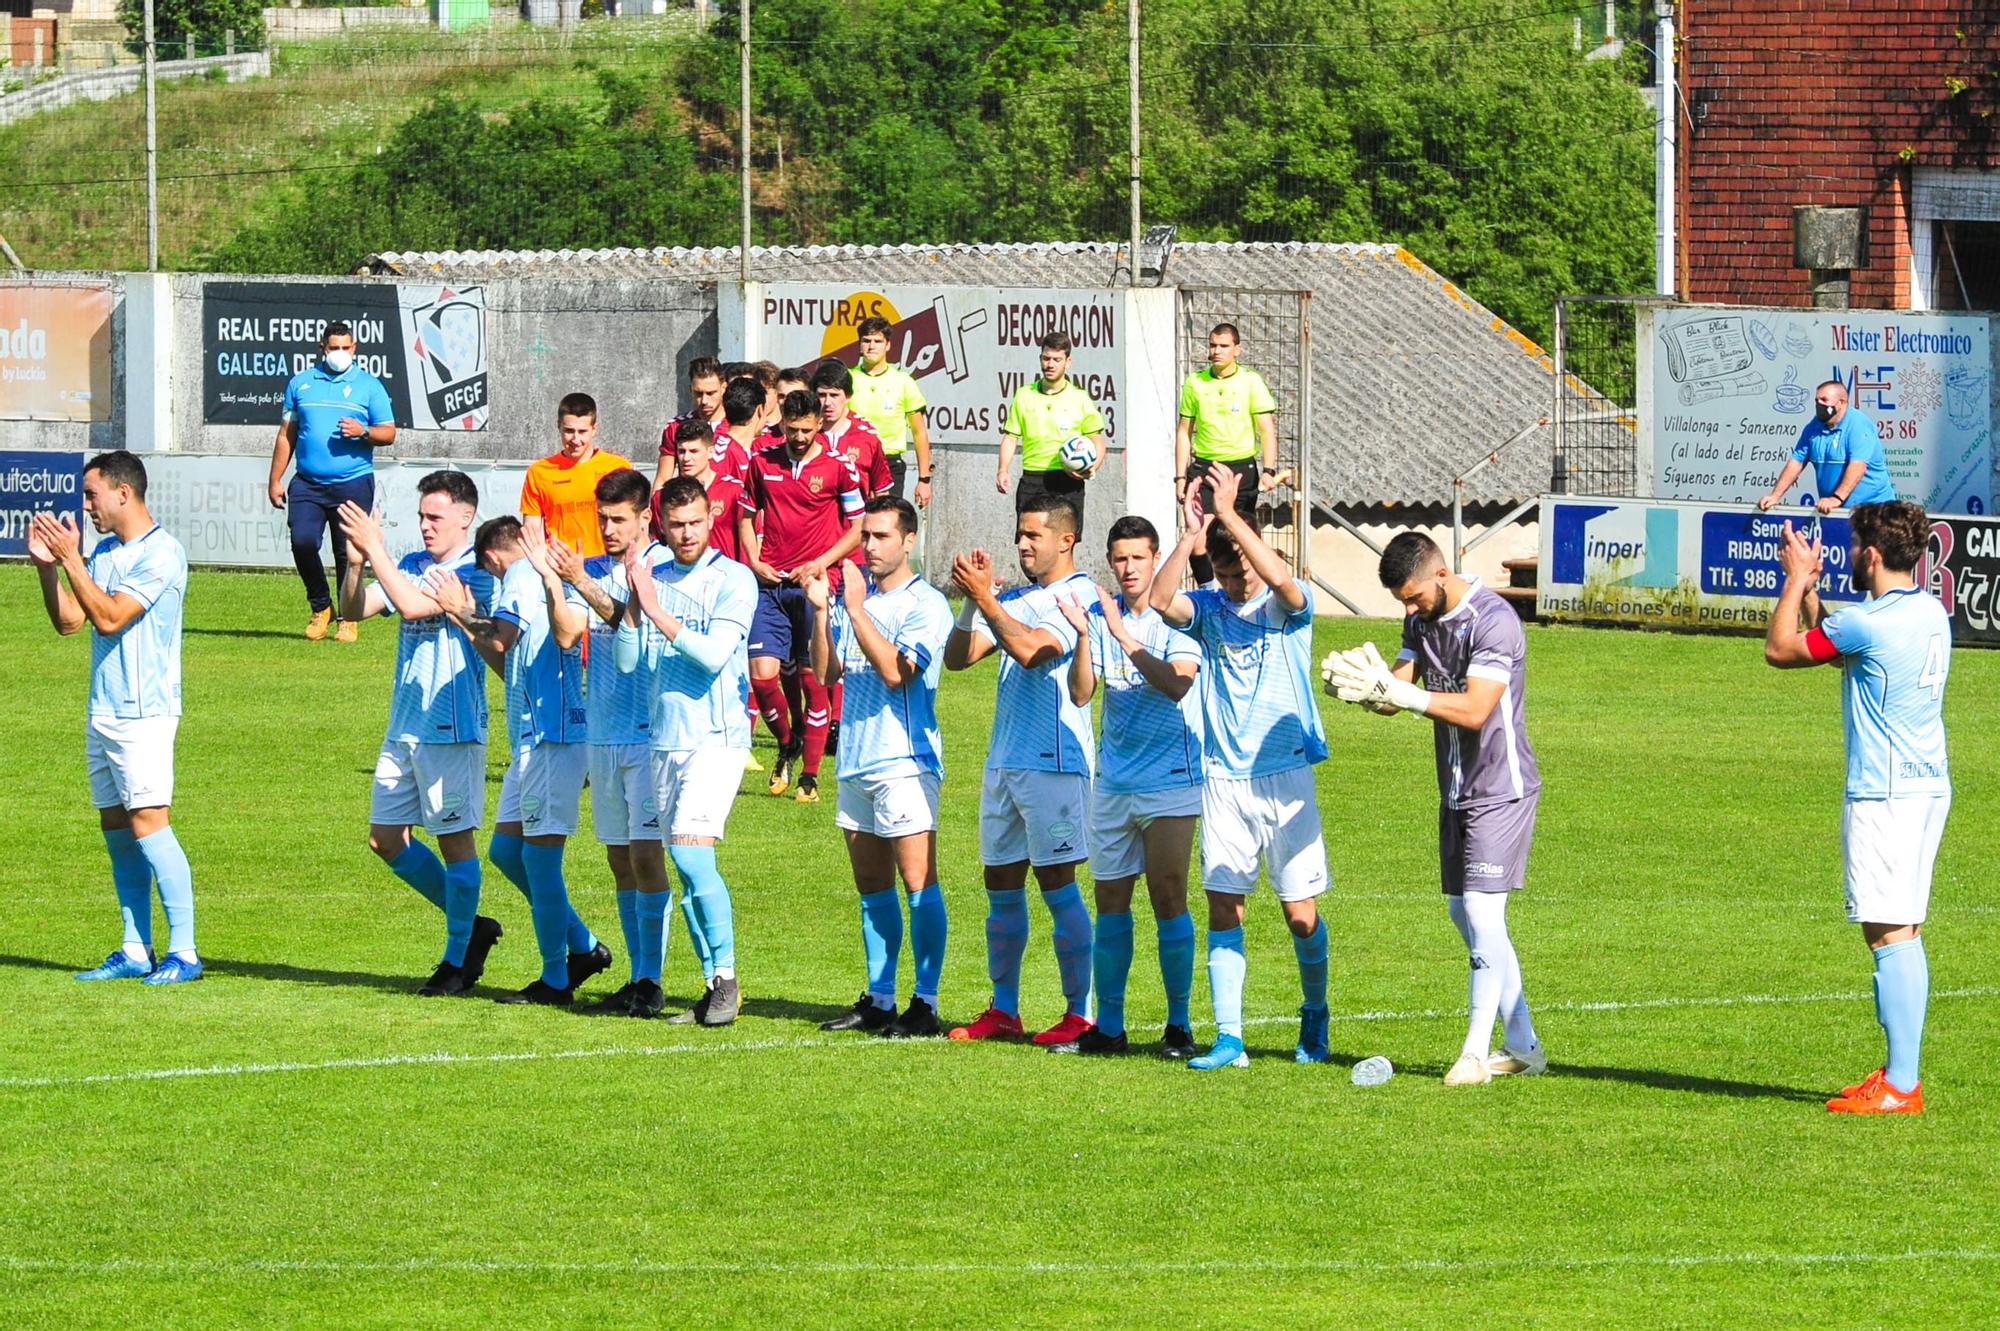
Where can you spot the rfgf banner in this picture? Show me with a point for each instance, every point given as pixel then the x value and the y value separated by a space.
pixel 55 351
pixel 426 344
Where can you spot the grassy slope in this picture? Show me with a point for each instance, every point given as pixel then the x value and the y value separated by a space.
pixel 1677 1171
pixel 328 101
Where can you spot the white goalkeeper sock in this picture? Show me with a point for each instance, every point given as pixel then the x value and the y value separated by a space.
pixel 1492 956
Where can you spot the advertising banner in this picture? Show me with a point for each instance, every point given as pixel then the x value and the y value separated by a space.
pixel 1724 392
pixel 426 344
pixel 55 351
pixel 31 482
pixel 1962 569
pixel 969 348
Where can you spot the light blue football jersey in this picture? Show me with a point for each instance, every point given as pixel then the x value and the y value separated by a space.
pixel 693 708
pixel 1147 741
pixel 1895 655
pixel 544 682
pixel 1259 712
pixel 439 695
pixel 1036 727
pixel 889 731
pixel 619 703
pixel 136 672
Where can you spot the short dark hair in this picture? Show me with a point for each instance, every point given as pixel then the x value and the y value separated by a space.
pixel 1059 340
pixel 742 400
pixel 795 374
pixel 1408 555
pixel 1228 328
pixel 121 467
pixel 627 485
pixel 831 373
pixel 905 511
pixel 797 405
pixel 735 369
pixel 704 367
pixel 1132 527
pixel 1060 509
pixel 453 483
pixel 692 430
pixel 576 404
pixel 680 492
pixel 338 328
pixel 1897 530
pixel 1222 545
pixel 868 327
pixel 502 532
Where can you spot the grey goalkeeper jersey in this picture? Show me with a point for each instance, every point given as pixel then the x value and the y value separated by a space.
pixel 1481 639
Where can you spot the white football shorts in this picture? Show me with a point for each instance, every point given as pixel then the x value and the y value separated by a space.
pixel 130 760
pixel 1033 816
pixel 1269 819
pixel 888 806
pixel 1118 824
pixel 438 787
pixel 1888 848
pixel 623 805
pixel 543 788
pixel 695 788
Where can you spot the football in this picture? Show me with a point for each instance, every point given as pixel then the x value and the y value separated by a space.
pixel 1078 454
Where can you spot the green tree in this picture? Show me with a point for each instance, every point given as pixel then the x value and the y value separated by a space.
pixel 207 21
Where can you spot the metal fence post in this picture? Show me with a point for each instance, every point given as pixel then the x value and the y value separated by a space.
pixel 743 144
pixel 152 152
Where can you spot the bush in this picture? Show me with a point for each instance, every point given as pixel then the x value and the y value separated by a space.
pixel 207 21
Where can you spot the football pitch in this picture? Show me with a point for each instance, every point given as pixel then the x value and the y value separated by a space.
pixel 298 1140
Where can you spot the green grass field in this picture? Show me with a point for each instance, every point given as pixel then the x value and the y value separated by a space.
pixel 298 1141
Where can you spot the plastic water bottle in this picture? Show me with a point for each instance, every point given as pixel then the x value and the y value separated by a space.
pixel 1372 1071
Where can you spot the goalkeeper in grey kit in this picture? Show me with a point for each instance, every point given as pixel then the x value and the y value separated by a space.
pixel 1466 643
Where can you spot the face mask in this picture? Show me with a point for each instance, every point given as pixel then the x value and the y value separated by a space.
pixel 338 361
pixel 1826 411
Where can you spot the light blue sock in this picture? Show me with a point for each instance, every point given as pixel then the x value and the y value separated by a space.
pixel 1311 952
pixel 1226 967
pixel 461 906
pixel 1072 940
pixel 132 878
pixel 882 943
pixel 628 924
pixel 1177 966
pixel 1902 991
pixel 419 866
pixel 1111 968
pixel 1006 944
pixel 548 906
pixel 712 909
pixel 695 939
pixel 649 945
pixel 928 927
pixel 505 852
pixel 170 869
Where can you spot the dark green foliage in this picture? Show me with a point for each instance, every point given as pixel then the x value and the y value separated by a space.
pixel 207 21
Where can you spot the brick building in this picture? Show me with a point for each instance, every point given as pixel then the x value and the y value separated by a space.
pixel 1844 151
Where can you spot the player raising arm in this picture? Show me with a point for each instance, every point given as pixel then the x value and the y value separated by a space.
pixel 1263 734
pixel 130 590
pixel 1467 644
pixel 888 644
pixel 1894 651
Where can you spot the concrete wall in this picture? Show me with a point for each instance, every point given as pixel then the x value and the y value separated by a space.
pixel 280 24
pixel 99 85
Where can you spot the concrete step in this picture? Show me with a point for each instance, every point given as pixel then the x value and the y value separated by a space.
pixel 1521 598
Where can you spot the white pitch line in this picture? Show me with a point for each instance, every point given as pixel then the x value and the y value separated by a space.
pixel 446 1058
pixel 1359 1266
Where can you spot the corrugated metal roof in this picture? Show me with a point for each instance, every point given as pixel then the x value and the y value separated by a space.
pixel 1412 380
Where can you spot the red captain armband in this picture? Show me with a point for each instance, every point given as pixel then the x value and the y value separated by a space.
pixel 1820 647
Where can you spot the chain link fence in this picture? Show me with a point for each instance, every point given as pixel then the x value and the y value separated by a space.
pixel 1596 419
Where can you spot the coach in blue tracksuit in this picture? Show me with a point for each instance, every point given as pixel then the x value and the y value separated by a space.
pixel 1845 452
pixel 336 416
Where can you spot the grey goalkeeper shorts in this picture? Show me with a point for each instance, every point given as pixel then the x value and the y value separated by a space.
pixel 1485 849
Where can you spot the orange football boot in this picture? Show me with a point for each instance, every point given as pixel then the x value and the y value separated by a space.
pixel 1881 1098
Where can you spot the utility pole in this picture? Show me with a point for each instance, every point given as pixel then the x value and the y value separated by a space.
pixel 743 140
pixel 152 155
pixel 1132 62
pixel 1666 151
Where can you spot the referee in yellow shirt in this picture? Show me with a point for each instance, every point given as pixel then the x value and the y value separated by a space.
pixel 1227 416
pixel 1045 412
pixel 887 397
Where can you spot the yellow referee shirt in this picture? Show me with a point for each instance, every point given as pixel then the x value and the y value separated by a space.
pixel 1224 412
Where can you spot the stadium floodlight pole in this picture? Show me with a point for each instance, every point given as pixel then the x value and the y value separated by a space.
pixel 743 134
pixel 1132 61
pixel 152 155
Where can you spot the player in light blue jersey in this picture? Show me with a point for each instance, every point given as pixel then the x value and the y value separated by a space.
pixel 884 636
pixel 130 591
pixel 1263 734
pixel 1035 796
pixel 1894 651
pixel 431 771
pixel 1148 790
pixel 532 639
pixel 623 806
pixel 697 607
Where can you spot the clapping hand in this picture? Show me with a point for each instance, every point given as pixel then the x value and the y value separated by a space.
pixel 567 563
pixel 452 595
pixel 51 541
